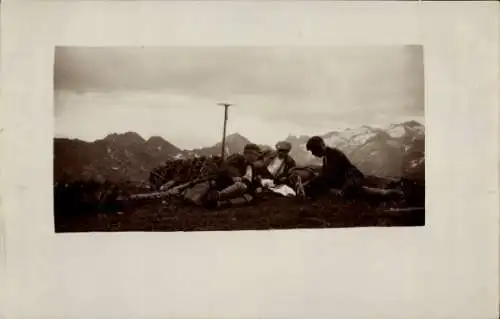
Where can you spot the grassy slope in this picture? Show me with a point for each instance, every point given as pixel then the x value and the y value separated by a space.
pixel 273 213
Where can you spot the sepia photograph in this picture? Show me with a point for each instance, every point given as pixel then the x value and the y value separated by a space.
pixel 238 138
pixel 255 159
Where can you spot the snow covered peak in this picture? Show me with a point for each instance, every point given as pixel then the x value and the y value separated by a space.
pixel 396 131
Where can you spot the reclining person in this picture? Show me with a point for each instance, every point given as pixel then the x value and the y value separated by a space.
pixel 236 182
pixel 339 174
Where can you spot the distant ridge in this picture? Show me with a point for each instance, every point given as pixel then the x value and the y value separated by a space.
pixel 393 151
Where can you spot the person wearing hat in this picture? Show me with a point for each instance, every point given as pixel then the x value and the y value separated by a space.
pixel 236 182
pixel 277 164
pixel 339 174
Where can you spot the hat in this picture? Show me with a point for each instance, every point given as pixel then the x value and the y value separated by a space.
pixel 252 148
pixel 314 142
pixel 284 146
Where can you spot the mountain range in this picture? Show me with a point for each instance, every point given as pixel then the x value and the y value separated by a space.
pixel 395 151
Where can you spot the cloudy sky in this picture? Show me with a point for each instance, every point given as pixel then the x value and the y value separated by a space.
pixel 173 92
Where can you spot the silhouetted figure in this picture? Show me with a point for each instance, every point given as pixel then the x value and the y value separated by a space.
pixel 339 175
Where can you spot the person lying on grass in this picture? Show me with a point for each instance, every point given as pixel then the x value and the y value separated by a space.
pixel 339 175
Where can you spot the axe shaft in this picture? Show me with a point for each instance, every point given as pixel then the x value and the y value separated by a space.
pixel 169 192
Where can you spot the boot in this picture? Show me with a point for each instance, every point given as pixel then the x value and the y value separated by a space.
pixel 234 190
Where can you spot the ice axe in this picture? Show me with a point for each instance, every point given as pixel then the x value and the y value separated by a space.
pixel 176 190
pixel 301 193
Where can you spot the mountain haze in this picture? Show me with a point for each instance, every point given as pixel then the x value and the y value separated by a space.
pixel 397 150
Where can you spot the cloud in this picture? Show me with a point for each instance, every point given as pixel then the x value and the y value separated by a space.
pixel 173 92
pixel 193 122
pixel 339 72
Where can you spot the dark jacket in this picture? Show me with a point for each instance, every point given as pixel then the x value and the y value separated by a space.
pixel 235 165
pixel 338 169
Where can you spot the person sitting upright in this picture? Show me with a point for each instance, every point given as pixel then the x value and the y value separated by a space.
pixel 277 164
pixel 337 173
pixel 236 181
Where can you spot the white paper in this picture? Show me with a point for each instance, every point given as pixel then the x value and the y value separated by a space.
pixel 284 190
